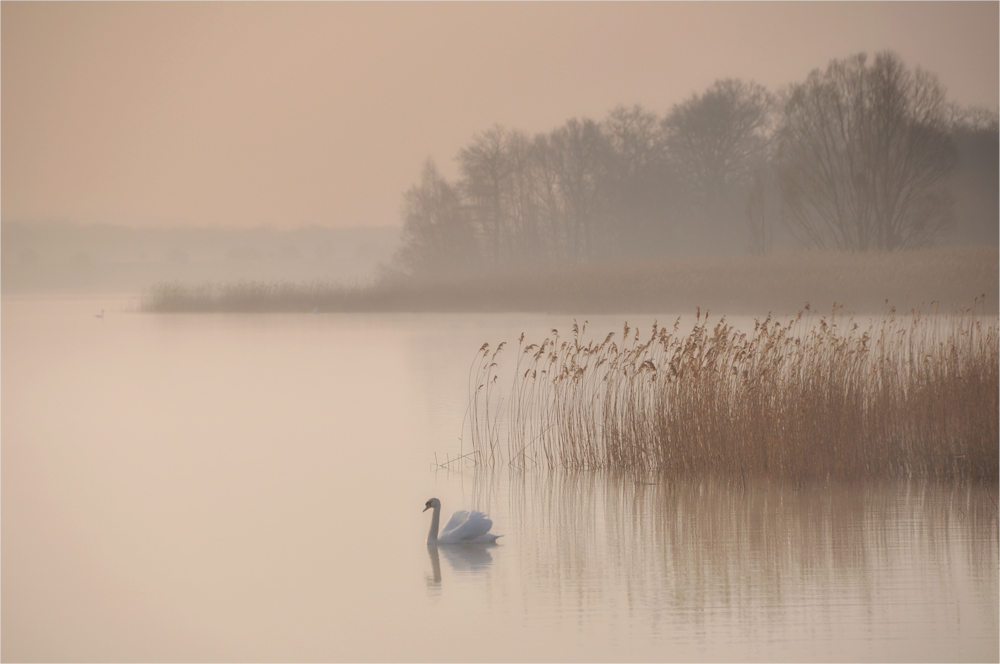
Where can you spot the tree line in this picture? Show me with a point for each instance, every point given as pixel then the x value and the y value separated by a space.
pixel 856 157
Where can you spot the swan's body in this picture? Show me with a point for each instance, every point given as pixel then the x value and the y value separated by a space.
pixel 463 528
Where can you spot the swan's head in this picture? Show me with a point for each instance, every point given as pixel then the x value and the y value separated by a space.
pixel 433 503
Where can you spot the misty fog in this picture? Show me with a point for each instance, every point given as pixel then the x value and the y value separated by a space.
pixel 736 197
pixel 60 257
pixel 732 271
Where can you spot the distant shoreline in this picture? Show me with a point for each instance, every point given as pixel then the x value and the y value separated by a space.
pixel 943 279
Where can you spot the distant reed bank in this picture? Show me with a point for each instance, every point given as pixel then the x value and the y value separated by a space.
pixel 780 283
pixel 814 397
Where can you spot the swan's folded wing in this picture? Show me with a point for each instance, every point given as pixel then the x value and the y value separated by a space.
pixel 466 527
pixel 456 521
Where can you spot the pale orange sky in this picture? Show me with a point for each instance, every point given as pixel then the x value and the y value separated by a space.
pixel 295 114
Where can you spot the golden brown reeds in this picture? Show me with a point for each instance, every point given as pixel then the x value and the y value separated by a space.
pixel 911 395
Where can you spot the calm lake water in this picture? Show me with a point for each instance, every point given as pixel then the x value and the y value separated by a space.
pixel 229 487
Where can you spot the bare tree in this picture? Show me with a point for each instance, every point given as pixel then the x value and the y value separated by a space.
pixel 717 138
pixel 972 118
pixel 503 184
pixel 643 186
pixel 438 238
pixel 551 205
pixel 862 155
pixel 486 168
pixel 581 154
pixel 528 241
pixel 637 138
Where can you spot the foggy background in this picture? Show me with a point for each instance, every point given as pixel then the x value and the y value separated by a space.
pixel 149 142
pixel 59 256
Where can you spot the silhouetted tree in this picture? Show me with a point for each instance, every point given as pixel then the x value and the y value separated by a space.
pixel 527 238
pixel 486 168
pixel 580 154
pixel 972 118
pixel 438 238
pixel 503 181
pixel 715 141
pixel 859 160
pixel 637 138
pixel 862 155
pixel 642 185
pixel 550 202
pixel 718 137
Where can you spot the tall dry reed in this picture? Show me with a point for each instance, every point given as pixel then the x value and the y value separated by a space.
pixel 911 395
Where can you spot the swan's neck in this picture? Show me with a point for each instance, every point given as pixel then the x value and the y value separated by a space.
pixel 432 536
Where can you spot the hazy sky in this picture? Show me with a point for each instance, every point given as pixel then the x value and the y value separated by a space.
pixel 292 114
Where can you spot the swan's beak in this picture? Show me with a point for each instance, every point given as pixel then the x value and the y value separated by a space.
pixel 426 507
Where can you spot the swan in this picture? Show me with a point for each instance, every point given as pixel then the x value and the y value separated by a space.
pixel 464 527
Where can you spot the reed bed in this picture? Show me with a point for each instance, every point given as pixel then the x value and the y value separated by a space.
pixel 778 282
pixel 260 297
pixel 813 397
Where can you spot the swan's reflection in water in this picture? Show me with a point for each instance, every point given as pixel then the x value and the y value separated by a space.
pixel 462 558
pixel 719 570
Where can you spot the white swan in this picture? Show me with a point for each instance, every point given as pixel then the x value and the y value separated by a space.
pixel 464 527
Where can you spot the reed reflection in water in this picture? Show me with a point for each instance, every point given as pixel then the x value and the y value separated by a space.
pixel 886 571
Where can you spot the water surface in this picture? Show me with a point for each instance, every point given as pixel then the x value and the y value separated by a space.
pixel 227 487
